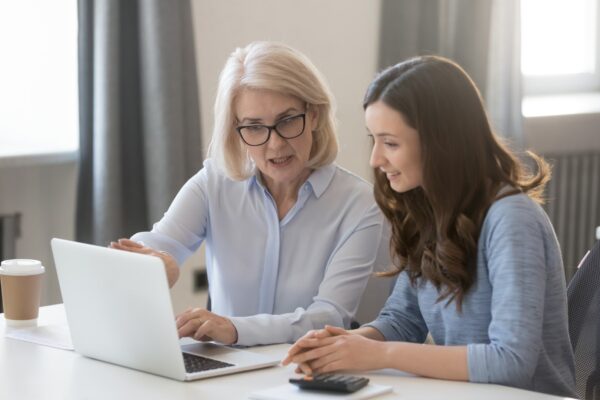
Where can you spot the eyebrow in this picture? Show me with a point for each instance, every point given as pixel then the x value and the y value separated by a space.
pixel 381 134
pixel 277 117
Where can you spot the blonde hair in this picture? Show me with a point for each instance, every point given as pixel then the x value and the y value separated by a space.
pixel 280 68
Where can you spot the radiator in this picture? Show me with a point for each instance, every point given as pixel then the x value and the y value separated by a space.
pixel 573 204
pixel 9 232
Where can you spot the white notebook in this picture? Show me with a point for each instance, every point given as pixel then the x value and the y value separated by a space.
pixel 293 392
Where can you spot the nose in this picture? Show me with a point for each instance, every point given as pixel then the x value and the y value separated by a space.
pixel 376 160
pixel 276 141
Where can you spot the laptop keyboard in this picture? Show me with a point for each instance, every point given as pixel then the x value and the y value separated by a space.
pixel 194 363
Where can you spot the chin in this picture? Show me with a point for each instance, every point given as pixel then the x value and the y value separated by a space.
pixel 403 188
pixel 283 175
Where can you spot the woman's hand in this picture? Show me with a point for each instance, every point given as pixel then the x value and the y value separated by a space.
pixel 333 349
pixel 204 325
pixel 305 343
pixel 170 263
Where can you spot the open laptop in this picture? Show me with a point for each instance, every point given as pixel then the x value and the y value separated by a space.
pixel 119 310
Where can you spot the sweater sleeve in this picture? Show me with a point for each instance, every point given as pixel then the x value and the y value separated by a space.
pixel 401 319
pixel 514 237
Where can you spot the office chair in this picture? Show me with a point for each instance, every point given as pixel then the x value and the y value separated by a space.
pixel 583 293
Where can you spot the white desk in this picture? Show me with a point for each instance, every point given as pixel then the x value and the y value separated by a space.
pixel 30 371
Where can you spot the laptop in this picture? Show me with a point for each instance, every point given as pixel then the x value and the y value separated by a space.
pixel 119 310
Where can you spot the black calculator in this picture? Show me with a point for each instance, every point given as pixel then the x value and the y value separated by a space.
pixel 331 382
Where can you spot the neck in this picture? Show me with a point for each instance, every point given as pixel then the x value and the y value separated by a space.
pixel 285 194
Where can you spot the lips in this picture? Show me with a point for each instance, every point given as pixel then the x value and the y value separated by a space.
pixel 280 160
pixel 392 175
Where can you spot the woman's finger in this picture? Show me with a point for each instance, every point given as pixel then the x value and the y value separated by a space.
pixel 190 314
pixel 292 352
pixel 304 369
pixel 205 331
pixel 119 246
pixel 321 333
pixel 305 344
pixel 335 330
pixel 181 320
pixel 286 360
pixel 215 327
pixel 296 348
pixel 190 327
pixel 135 247
pixel 313 354
pixel 334 366
pixel 321 362
pixel 130 243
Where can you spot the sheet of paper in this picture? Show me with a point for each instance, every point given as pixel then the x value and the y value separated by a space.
pixel 292 392
pixel 48 335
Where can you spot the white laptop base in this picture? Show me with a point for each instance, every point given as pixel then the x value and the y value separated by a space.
pixel 119 310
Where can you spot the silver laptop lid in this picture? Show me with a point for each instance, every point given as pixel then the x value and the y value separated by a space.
pixel 102 299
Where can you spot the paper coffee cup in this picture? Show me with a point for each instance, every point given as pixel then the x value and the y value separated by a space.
pixel 21 282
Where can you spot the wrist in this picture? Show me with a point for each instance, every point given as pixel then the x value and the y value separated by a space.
pixel 382 354
pixel 369 332
pixel 235 333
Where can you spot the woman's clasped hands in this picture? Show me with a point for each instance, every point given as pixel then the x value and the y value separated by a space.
pixel 333 349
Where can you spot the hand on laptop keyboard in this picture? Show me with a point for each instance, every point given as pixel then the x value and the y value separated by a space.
pixel 204 325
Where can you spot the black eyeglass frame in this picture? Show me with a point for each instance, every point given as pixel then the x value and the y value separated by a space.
pixel 273 128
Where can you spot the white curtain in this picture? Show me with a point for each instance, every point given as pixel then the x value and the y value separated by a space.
pixel 504 91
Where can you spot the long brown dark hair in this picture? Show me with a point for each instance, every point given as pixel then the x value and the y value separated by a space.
pixel 435 227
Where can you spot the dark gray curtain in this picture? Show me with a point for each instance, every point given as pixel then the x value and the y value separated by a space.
pixel 138 113
pixel 482 36
pixel 10 231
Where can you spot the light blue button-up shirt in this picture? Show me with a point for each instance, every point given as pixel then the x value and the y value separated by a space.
pixel 277 279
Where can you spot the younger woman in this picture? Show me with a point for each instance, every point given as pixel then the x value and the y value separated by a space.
pixel 478 261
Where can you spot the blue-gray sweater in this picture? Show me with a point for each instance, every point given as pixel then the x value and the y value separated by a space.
pixel 514 317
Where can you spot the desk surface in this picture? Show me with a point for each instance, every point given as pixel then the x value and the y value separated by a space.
pixel 31 371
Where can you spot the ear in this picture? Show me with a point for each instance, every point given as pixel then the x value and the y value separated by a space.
pixel 313 115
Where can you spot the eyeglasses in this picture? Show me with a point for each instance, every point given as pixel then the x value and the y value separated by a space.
pixel 287 128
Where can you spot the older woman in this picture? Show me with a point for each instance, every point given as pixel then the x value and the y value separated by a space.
pixel 291 238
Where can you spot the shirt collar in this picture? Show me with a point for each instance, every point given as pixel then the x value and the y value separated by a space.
pixel 253 180
pixel 319 180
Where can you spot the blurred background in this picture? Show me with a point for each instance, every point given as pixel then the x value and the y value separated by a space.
pixel 106 106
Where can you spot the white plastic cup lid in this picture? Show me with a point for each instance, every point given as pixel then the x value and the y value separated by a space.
pixel 21 267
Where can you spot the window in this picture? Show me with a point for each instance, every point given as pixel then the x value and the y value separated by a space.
pixel 38 77
pixel 560 46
